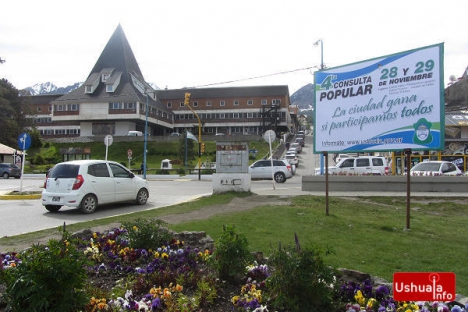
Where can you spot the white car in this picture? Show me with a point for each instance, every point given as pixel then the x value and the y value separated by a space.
pixel 292 159
pixel 436 168
pixel 262 170
pixel 89 183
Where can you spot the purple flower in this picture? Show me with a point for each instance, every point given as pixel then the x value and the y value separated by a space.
pixel 155 304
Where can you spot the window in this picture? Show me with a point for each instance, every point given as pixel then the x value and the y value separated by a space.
pixel 250 115
pixel 50 108
pixel 195 104
pixel 222 103
pixel 276 101
pixel 235 115
pixel 99 170
pixel 208 103
pixel 169 104
pixel 264 102
pixel 364 162
pixel 109 88
pixel 119 172
pixel 347 163
pixel 39 109
pixel 249 102
pixel 181 104
pixel 222 116
pixel 377 162
pixel 236 102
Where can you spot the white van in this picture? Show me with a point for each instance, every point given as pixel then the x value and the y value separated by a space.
pixel 135 133
pixel 361 165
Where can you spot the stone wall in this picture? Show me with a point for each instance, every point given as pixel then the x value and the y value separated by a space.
pixel 343 183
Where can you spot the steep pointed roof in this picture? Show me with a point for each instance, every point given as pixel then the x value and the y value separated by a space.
pixel 116 66
pixel 118 55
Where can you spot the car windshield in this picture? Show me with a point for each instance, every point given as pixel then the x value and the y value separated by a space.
pixel 426 167
pixel 64 171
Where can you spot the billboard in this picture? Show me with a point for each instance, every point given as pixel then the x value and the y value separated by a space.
pixel 389 103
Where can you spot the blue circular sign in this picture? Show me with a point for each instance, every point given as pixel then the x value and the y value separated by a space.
pixel 24 141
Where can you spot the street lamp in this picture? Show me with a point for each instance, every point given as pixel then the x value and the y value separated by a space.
pixel 146 138
pixel 321 68
pixel 321 52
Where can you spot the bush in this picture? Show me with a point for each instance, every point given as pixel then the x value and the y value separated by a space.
pixel 231 254
pixel 300 281
pixel 147 234
pixel 49 278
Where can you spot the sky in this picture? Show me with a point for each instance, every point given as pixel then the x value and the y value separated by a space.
pixel 219 43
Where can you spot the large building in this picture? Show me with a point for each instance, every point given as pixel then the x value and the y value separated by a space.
pixel 116 99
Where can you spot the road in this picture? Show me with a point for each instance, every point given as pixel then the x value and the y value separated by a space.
pixel 24 216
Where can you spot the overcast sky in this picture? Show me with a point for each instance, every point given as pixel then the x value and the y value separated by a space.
pixel 195 43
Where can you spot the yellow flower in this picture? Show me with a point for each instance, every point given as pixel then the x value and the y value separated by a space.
pixel 234 299
pixel 359 298
pixel 179 287
pixel 135 228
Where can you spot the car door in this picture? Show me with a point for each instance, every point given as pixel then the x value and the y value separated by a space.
pixel 362 166
pixel 123 181
pixel 346 167
pixel 101 182
pixel 261 170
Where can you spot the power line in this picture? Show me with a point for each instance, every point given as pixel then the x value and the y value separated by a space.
pixel 256 77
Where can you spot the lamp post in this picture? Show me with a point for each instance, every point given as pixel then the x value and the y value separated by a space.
pixel 146 138
pixel 321 68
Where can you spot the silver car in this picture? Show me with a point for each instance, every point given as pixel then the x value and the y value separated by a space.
pixel 89 183
pixel 262 170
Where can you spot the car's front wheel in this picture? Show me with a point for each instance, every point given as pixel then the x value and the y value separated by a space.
pixel 53 208
pixel 142 196
pixel 89 203
pixel 280 177
pixel 6 175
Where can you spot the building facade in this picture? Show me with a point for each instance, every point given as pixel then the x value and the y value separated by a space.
pixel 116 99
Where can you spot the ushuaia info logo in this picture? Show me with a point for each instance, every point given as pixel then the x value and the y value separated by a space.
pixel 424 286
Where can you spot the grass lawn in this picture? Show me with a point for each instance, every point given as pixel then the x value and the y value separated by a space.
pixel 365 234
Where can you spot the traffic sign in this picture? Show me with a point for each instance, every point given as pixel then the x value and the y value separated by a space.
pixel 269 136
pixel 24 141
pixel 108 140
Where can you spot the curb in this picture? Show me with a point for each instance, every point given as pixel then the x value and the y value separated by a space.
pixel 16 197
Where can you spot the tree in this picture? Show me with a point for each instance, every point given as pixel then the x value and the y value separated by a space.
pixel 13 114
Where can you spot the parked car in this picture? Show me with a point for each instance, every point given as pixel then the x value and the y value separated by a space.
pixel 10 170
pixel 88 183
pixel 262 170
pixel 292 159
pixel 175 134
pixel 435 168
pixel 301 141
pixel 135 133
pixel 362 165
pixel 297 146
pixel 339 157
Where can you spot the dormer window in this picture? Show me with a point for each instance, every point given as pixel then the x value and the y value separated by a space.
pixel 105 77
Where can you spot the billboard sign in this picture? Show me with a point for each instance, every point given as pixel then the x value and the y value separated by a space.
pixel 389 103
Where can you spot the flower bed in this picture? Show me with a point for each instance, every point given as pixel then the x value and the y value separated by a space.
pixel 172 276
